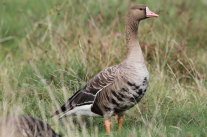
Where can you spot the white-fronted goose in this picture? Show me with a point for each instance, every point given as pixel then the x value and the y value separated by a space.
pixel 23 126
pixel 115 89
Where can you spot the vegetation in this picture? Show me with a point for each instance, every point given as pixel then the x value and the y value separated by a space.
pixel 50 49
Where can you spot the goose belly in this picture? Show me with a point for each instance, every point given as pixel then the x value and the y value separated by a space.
pixel 129 95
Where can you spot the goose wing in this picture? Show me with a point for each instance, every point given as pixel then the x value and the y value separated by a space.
pixel 87 95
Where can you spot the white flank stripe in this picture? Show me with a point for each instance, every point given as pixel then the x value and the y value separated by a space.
pixel 84 110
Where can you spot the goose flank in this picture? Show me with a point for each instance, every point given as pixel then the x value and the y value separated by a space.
pixel 25 126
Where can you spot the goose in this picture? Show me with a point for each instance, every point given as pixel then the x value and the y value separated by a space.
pixel 25 126
pixel 118 88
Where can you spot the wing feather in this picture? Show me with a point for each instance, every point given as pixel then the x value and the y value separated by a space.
pixel 101 80
pixel 88 93
pixel 79 98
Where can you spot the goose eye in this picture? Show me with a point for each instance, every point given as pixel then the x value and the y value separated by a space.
pixel 141 9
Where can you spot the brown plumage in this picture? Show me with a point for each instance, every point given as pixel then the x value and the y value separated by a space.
pixel 24 126
pixel 115 89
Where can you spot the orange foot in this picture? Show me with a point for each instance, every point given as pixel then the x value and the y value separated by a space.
pixel 107 126
pixel 120 121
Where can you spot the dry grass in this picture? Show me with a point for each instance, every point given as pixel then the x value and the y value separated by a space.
pixel 56 47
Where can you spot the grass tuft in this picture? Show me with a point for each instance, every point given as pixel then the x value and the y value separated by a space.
pixel 49 50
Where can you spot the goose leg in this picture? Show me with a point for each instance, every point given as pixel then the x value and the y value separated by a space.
pixel 120 121
pixel 107 126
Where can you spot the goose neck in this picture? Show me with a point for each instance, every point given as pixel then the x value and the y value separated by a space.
pixel 131 32
pixel 134 52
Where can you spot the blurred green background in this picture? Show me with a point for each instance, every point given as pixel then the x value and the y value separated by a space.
pixel 50 49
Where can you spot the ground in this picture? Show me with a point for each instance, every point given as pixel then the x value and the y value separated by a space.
pixel 50 49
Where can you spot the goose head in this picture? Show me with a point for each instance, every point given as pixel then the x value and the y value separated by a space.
pixel 140 12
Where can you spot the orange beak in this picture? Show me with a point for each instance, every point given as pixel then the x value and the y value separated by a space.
pixel 150 14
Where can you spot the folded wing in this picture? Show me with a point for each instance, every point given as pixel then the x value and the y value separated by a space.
pixel 87 95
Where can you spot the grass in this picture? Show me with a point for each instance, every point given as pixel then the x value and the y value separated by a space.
pixel 50 49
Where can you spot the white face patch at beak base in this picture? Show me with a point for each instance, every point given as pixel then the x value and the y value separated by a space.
pixel 150 14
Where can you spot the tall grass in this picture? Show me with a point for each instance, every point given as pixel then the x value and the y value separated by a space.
pixel 50 49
